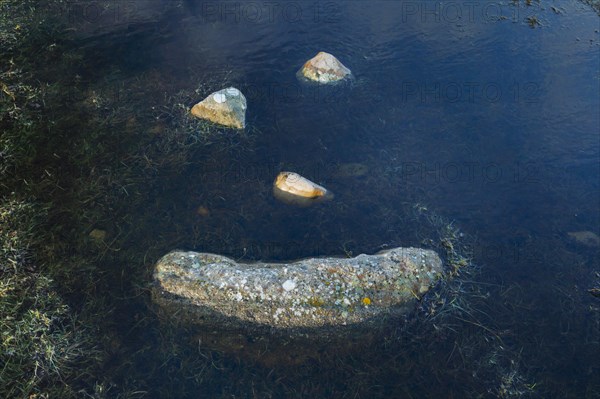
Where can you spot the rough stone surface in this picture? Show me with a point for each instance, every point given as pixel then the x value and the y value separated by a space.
pixel 316 294
pixel 324 68
pixel 225 107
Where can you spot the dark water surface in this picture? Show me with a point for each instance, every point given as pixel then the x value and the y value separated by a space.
pixel 459 108
pixel 478 116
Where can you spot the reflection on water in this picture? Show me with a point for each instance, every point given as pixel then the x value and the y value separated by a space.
pixel 458 107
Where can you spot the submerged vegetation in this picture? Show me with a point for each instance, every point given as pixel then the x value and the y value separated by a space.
pixel 86 166
pixel 63 173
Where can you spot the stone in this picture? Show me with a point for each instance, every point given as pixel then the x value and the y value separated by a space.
pixel 225 107
pixel 314 297
pixel 291 188
pixel 203 211
pixel 586 238
pixel 97 235
pixel 324 68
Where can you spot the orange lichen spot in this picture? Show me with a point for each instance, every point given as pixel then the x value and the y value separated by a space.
pixel 366 301
pixel 316 302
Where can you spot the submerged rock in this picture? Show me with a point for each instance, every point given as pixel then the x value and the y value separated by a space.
pixel 291 188
pixel 315 297
pixel 351 170
pixel 586 238
pixel 97 235
pixel 324 68
pixel 225 107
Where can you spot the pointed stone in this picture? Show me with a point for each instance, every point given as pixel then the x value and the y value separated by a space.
pixel 225 107
pixel 324 68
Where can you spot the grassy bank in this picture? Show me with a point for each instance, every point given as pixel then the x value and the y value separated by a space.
pixel 46 351
pixel 82 153
pixel 63 174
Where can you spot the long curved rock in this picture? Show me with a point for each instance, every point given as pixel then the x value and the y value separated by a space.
pixel 320 295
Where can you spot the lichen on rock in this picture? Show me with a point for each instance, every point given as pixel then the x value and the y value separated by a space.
pixel 315 294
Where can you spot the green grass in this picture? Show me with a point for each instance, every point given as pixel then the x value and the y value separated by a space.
pixel 45 350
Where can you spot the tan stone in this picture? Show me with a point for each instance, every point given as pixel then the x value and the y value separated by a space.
pixel 291 188
pixel 225 107
pixel 324 68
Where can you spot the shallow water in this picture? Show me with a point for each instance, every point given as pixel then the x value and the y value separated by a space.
pixel 461 108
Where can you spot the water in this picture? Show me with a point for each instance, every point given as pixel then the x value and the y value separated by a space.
pixel 480 119
pixel 476 117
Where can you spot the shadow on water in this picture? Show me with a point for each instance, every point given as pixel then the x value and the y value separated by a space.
pixel 482 119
